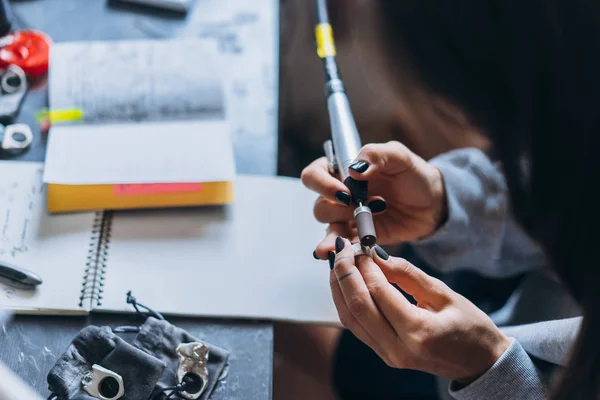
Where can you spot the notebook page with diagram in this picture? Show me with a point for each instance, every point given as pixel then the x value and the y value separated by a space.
pixel 54 247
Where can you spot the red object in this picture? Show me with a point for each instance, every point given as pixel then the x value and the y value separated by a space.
pixel 45 125
pixel 28 49
pixel 155 188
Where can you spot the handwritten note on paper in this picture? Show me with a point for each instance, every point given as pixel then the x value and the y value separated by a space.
pixel 55 247
pixel 155 188
pixel 21 197
pixel 138 80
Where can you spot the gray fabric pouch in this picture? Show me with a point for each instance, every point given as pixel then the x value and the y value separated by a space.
pixel 147 363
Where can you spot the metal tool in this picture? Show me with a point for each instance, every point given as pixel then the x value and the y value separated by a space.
pixel 345 144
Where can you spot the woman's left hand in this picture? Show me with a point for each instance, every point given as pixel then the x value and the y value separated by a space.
pixel 444 334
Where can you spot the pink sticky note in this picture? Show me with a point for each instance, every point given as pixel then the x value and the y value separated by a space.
pixel 155 188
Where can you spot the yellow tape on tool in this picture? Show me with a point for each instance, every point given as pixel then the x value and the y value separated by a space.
pixel 325 45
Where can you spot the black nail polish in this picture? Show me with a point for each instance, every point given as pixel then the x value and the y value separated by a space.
pixel 377 206
pixel 339 244
pixel 331 259
pixel 360 166
pixel 343 198
pixel 381 252
pixel 315 255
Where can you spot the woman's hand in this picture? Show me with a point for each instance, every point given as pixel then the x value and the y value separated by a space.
pixel 444 334
pixel 408 199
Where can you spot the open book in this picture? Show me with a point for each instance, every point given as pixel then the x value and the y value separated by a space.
pixel 250 259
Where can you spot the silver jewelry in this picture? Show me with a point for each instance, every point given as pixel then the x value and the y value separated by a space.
pixel 360 250
pixel 13 80
pixel 193 358
pixel 103 383
pixel 16 137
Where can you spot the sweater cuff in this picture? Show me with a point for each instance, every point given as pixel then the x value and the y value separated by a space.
pixel 476 201
pixel 513 376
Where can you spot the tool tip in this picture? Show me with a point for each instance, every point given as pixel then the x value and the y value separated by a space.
pixel 368 240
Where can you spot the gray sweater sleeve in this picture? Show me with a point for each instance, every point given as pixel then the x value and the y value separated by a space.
pixel 513 376
pixel 479 233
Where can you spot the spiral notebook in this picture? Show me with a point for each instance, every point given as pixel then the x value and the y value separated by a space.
pixel 251 259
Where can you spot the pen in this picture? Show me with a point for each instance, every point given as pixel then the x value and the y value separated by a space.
pixel 19 275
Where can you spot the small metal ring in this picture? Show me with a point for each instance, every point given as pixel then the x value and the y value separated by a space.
pixel 360 250
pixel 92 383
pixel 10 143
pixel 11 72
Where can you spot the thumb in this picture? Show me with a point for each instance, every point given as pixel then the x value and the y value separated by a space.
pixel 426 290
pixel 391 158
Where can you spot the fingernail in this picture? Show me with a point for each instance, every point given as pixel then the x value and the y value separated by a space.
pixel 339 244
pixel 360 166
pixel 343 198
pixel 315 255
pixel 378 206
pixel 331 259
pixel 381 253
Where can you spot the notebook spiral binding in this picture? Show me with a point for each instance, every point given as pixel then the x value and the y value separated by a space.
pixel 92 288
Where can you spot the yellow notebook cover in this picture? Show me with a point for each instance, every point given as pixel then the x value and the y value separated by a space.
pixel 71 198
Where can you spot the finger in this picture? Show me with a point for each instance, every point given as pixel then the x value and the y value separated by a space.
pixel 396 308
pixel 427 291
pixel 328 243
pixel 317 178
pixel 346 317
pixel 391 158
pixel 377 204
pixel 326 211
pixel 357 297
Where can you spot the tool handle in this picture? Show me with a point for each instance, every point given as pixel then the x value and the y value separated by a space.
pixel 346 141
pixel 21 275
pixel 346 146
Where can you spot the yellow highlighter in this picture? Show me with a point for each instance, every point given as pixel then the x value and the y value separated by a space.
pixel 57 116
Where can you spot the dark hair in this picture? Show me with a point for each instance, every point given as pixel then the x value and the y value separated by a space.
pixel 528 74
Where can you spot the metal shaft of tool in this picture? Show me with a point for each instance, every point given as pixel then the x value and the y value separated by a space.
pixel 344 134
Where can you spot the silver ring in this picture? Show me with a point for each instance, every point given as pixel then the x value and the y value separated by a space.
pixel 360 250
pixel 103 384
pixel 193 359
pixel 9 142
pixel 13 71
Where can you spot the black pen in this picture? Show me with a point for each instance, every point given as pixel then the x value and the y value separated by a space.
pixel 19 275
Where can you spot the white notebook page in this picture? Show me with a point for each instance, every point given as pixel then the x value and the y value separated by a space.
pixel 154 152
pixel 251 260
pixel 54 247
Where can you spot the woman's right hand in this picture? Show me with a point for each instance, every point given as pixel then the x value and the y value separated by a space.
pixel 407 195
